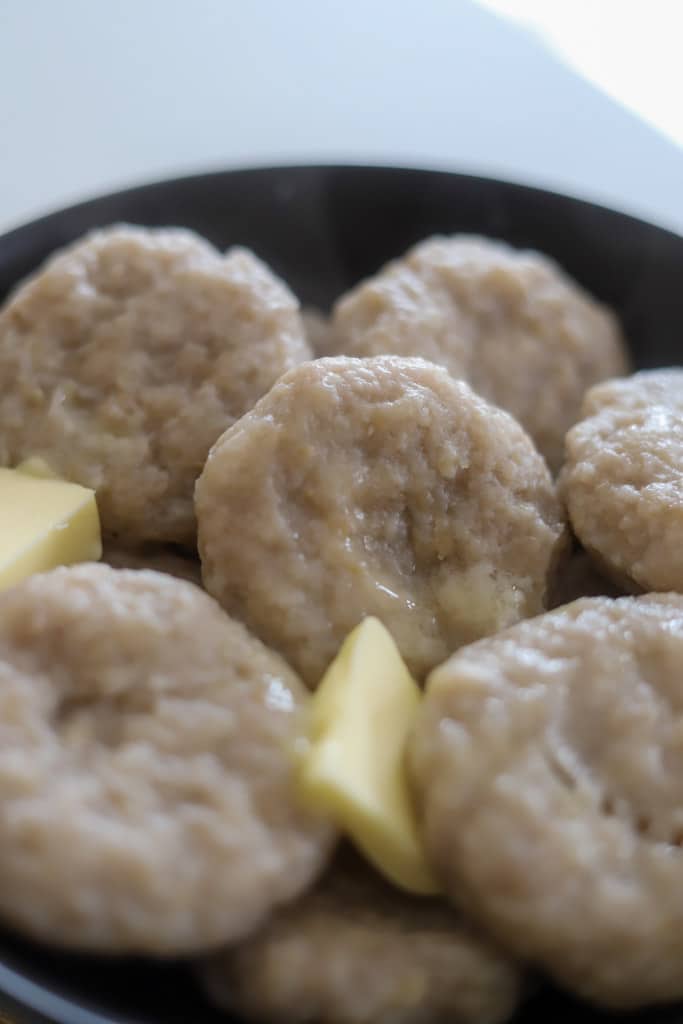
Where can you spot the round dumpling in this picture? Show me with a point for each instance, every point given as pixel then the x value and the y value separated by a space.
pixel 354 950
pixel 548 769
pixel 376 487
pixel 623 479
pixel 147 795
pixel 124 358
pixel 525 335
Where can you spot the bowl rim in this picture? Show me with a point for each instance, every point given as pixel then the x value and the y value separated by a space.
pixel 197 178
pixel 21 995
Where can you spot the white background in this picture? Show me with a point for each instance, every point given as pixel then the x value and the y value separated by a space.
pixel 96 95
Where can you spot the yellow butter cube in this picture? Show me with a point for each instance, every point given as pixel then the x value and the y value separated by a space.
pixel 353 769
pixel 44 522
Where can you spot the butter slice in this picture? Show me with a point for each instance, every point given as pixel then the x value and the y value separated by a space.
pixel 44 522
pixel 353 769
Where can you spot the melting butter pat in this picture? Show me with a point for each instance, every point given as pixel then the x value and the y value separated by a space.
pixel 353 768
pixel 44 522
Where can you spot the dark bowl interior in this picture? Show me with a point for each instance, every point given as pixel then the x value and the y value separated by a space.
pixel 323 228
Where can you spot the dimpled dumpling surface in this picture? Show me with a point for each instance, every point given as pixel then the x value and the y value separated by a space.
pixel 623 479
pixel 510 321
pixel 376 487
pixel 548 771
pixel 124 358
pixel 353 950
pixel 147 795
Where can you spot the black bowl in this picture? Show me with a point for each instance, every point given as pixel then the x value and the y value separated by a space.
pixel 323 228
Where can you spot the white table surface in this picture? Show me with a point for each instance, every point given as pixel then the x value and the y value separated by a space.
pixel 95 95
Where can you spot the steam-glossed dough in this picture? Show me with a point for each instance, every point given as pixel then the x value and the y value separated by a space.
pixel 623 479
pixel 510 322
pixel 354 950
pixel 376 487
pixel 548 763
pixel 127 355
pixel 147 799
